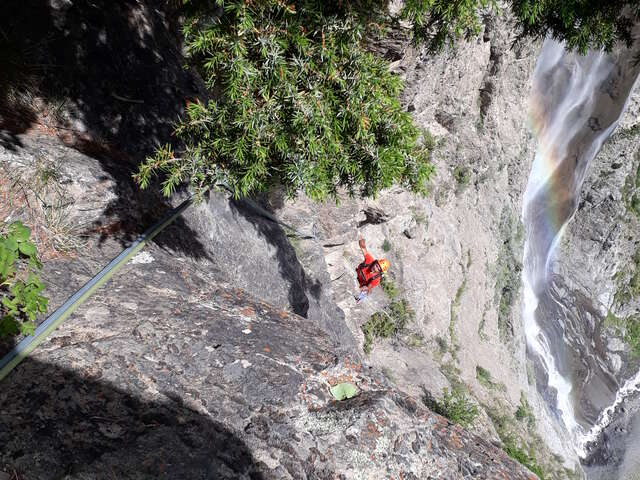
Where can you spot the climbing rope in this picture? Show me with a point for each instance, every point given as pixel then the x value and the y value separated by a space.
pixel 26 346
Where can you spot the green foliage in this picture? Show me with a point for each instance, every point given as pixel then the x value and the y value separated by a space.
pixel 20 285
pixel 507 271
pixel 452 374
pixel 462 176
pixel 631 188
pixel 443 21
pixel 484 378
pixel 513 444
pixel 528 459
pixel 628 281
pixel 524 412
pixel 414 340
pixel 629 327
pixel 387 323
pixel 389 288
pixel 298 102
pixel 343 391
pixel 583 24
pixel 386 245
pixel 454 317
pixel 443 346
pixel 455 405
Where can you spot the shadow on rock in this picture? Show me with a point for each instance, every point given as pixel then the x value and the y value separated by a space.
pixel 290 268
pixel 111 78
pixel 59 423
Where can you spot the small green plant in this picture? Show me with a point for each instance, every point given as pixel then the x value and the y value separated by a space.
pixel 455 405
pixel 629 328
pixel 512 443
pixel 389 288
pixel 443 346
pixel 414 340
pixel 386 323
pixel 386 245
pixel 454 317
pixel 343 391
pixel 529 460
pixel 631 191
pixel 524 412
pixel 507 272
pixel 452 373
pixel 462 176
pixel 20 285
pixel 628 281
pixel 484 378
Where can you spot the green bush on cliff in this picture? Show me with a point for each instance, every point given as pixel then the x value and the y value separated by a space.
pixel 455 405
pixel 528 459
pixel 20 285
pixel 387 323
pixel 583 24
pixel 297 102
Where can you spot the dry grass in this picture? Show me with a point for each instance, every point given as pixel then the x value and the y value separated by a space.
pixel 36 195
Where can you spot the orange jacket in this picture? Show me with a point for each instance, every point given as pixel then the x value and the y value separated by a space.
pixel 367 274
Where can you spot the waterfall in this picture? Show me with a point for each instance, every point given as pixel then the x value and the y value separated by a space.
pixel 576 103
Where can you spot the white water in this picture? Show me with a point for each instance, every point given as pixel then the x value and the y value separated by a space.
pixel 630 387
pixel 565 95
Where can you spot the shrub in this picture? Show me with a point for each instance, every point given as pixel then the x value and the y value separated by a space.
pixel 600 25
pixel 386 245
pixel 389 288
pixel 524 412
pixel 386 323
pixel 527 459
pixel 484 378
pixel 462 176
pixel 443 346
pixel 455 405
pixel 298 102
pixel 20 285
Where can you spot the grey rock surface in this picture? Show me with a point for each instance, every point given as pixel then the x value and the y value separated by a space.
pixel 166 374
pixel 170 371
pixel 455 254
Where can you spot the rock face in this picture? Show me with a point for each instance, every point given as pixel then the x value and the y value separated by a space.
pixel 226 336
pixel 598 259
pixel 167 375
pixel 456 254
pixel 169 372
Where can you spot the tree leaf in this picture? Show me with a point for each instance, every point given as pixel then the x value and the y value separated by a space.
pixel 343 391
pixel 11 244
pixel 27 248
pixel 19 232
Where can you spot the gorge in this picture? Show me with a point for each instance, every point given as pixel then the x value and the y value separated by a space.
pixel 518 273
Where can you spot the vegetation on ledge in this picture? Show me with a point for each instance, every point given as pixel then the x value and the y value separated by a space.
pixel 20 285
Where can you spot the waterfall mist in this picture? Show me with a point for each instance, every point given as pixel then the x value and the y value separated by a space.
pixel 576 102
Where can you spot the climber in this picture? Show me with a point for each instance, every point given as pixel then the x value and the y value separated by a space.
pixel 369 272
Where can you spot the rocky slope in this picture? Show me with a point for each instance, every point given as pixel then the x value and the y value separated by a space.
pixel 202 344
pixel 169 372
pixel 599 262
pixel 456 254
